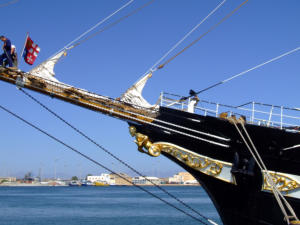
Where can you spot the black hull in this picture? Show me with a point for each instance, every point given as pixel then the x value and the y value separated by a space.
pixel 238 205
pixel 243 202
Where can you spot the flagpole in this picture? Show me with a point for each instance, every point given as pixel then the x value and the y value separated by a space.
pixel 21 56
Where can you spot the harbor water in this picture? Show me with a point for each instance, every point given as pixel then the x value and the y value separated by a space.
pixel 114 205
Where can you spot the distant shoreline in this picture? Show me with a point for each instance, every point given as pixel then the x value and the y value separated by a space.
pixel 49 185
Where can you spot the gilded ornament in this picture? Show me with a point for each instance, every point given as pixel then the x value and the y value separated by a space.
pixel 132 131
pixel 144 144
pixel 198 162
pixel 216 169
pixel 204 164
pixel 283 182
pixel 154 150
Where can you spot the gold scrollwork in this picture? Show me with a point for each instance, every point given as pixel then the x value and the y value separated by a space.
pixel 283 182
pixel 204 164
pixel 216 169
pixel 144 144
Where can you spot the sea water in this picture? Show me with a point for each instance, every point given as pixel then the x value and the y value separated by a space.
pixel 113 205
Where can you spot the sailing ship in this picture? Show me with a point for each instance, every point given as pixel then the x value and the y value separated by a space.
pixel 214 147
pixel 246 158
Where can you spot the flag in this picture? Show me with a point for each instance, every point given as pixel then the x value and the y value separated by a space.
pixel 31 51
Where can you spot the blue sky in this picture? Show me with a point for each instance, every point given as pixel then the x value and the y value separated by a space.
pixel 111 62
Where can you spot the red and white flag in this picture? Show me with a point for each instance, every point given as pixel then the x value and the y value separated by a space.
pixel 31 51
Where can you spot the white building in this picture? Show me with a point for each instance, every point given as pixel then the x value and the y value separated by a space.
pixel 104 178
pixel 182 178
pixel 144 181
pixel 176 179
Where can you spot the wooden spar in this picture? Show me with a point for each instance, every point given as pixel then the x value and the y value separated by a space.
pixel 85 99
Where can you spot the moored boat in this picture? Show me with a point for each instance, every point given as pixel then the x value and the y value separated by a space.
pixel 100 184
pixel 86 183
pixel 74 183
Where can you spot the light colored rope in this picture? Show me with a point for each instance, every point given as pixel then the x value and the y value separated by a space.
pixel 262 64
pixel 162 127
pixel 177 126
pixel 203 35
pixel 277 194
pixel 92 28
pixel 261 168
pixel 246 71
pixel 268 174
pixel 110 111
pixel 62 86
pixel 152 68
pixel 188 34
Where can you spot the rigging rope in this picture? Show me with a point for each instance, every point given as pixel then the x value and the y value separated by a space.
pixel 92 28
pixel 198 39
pixel 112 155
pixel 114 23
pixel 152 68
pixel 268 175
pixel 246 71
pixel 255 154
pixel 127 115
pixel 97 163
pixel 150 118
pixel 68 46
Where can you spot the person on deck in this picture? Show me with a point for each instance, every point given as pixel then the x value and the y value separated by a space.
pixel 14 55
pixel 192 104
pixel 193 101
pixel 7 51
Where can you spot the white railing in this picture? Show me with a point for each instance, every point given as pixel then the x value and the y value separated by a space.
pixel 255 113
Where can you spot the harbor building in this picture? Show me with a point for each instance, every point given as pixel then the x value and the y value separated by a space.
pixel 176 179
pixel 187 178
pixel 146 180
pixel 119 180
pixel 182 178
pixel 104 178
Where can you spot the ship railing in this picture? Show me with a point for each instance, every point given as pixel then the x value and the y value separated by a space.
pixel 255 113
